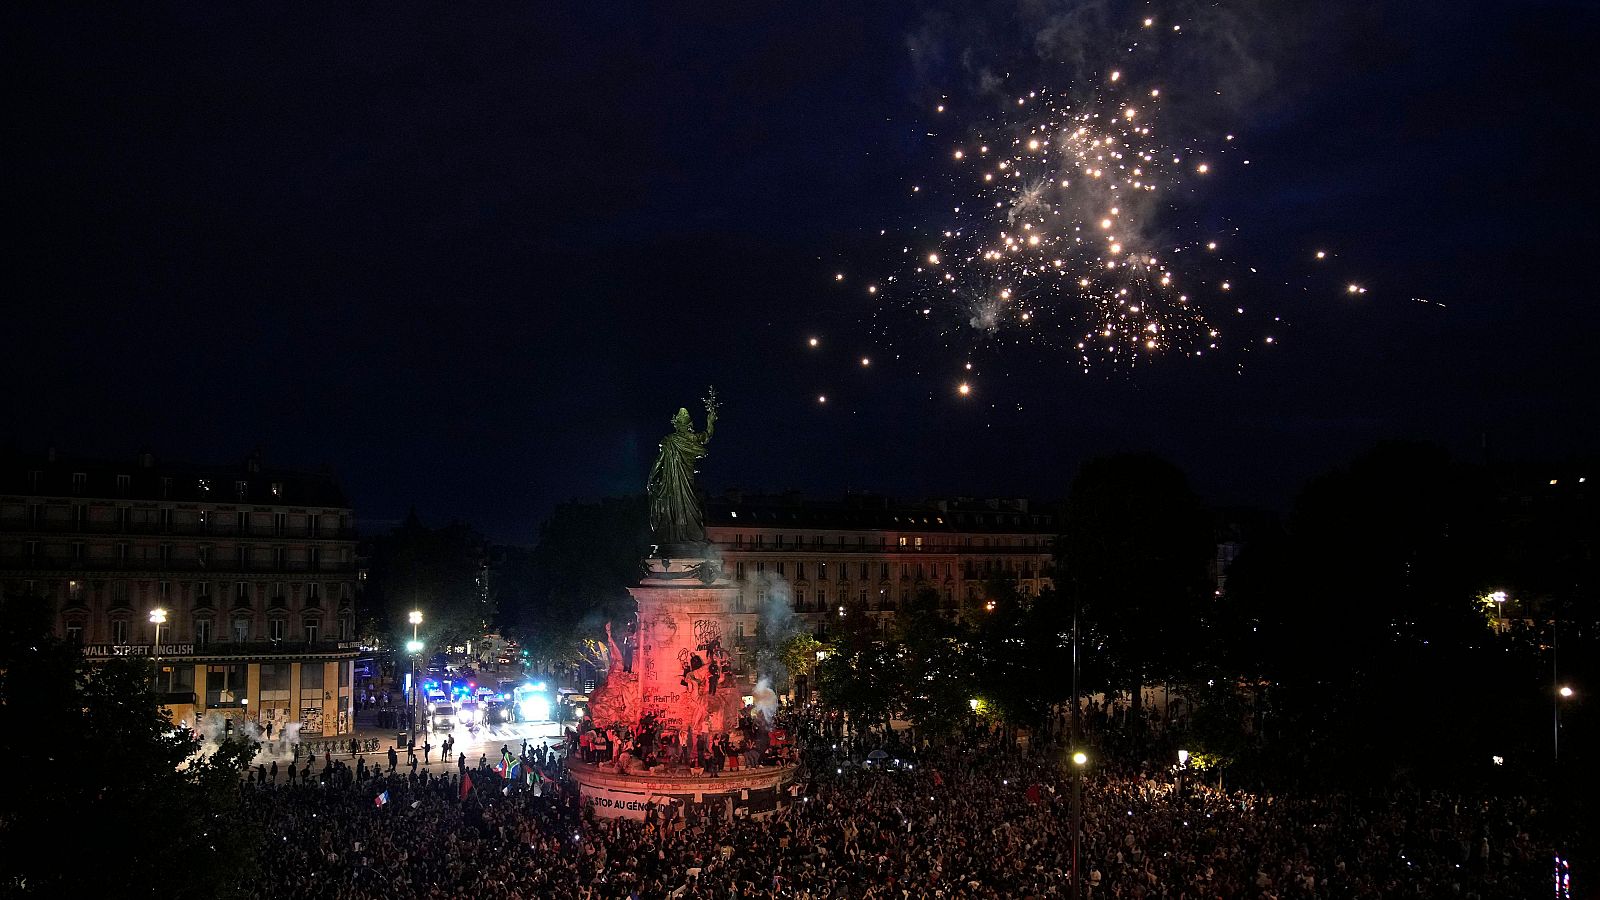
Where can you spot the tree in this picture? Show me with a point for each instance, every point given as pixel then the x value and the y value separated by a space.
pixel 440 571
pixel 1136 549
pixel 935 665
pixel 112 796
pixel 556 600
pixel 860 674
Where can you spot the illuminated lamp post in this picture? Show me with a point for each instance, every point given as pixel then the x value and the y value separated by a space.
pixel 158 618
pixel 413 647
pixel 1564 692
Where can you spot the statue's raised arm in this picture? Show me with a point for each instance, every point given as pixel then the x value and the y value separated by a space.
pixel 675 515
pixel 711 414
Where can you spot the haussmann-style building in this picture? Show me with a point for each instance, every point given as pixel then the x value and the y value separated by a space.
pixel 239 581
pixel 872 553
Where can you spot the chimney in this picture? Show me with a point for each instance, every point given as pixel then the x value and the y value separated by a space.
pixel 147 460
pixel 253 463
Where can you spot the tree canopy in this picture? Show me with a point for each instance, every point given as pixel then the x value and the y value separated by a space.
pixel 107 805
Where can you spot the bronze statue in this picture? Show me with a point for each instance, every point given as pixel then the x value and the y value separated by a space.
pixel 675 514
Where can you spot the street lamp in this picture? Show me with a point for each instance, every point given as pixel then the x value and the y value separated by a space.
pixel 158 618
pixel 1566 691
pixel 1183 764
pixel 414 647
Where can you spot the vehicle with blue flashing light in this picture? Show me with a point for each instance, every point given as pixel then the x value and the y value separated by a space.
pixel 531 701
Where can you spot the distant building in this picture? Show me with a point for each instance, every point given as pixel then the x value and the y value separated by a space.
pixel 239 581
pixel 870 554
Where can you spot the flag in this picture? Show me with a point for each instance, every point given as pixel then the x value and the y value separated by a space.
pixel 381 799
pixel 466 785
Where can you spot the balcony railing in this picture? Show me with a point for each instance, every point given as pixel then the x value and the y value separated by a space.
pixel 220 568
pixel 180 529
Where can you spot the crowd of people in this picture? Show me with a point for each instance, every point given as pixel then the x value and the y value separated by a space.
pixel 653 747
pixel 981 819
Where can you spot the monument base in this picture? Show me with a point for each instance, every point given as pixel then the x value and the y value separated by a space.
pixel 749 792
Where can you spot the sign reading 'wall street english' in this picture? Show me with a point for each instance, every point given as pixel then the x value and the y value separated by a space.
pixel 106 651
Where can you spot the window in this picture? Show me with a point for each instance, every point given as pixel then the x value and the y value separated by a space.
pixel 864 575
pixel 917 542
pixel 344 628
pixel 164 591
pixel 166 556
pixel 277 558
pixel 275 629
pixel 166 487
pixel 280 523
pixel 800 600
pixel 761 567
pixel 243 489
pixel 277 593
pixel 202 594
pixel 79 480
pixel 123 482
pixel 202 632
pixel 74 632
pixel 166 519
pixel 277 489
pixel 738 569
pixel 241 522
pixel 225 685
pixel 738 630
pixel 275 676
pixel 243 556
pixel 863 597
pixel 122 552
pixel 883 571
pixel 313 524
pixel 904 541
pixel 203 519
pixel 35 515
pixel 311 677
pixel 799 570
pixel 822 598
pixel 314 594
pixel 312 626
pixel 119 631
pixel 241 630
pixel 779 568
pixel 33 481
pixel 122 518
pixel 203 555
pixel 861 543
pixel 77 551
pixel 241 593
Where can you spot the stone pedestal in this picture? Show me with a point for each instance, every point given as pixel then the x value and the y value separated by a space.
pixel 684 650
pixel 681 674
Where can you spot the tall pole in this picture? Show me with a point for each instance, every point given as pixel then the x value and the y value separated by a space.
pixel 1555 689
pixel 1077 768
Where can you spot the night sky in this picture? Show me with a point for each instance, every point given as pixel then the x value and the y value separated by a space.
pixel 474 259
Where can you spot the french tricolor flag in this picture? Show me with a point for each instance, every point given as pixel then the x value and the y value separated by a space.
pixel 381 799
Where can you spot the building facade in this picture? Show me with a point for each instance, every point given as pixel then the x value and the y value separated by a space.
pixel 240 582
pixel 868 555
